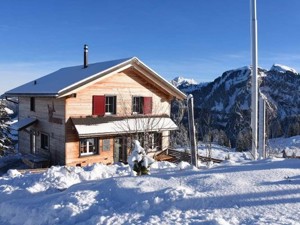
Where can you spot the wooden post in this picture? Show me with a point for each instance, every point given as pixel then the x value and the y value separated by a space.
pixel 262 128
pixel 192 133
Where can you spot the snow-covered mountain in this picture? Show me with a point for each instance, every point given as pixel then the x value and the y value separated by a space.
pixel 226 101
pixel 178 81
pixel 186 85
pixel 282 69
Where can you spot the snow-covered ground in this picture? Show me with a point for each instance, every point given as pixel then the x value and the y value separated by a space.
pixel 237 191
pixel 290 145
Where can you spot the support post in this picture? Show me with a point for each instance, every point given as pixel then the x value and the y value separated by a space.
pixel 262 128
pixel 192 133
pixel 254 87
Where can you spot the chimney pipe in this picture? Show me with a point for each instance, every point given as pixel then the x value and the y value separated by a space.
pixel 85 56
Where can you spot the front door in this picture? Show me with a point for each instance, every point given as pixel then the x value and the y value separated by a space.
pixel 32 141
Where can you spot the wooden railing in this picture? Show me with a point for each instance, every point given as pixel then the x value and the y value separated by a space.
pixel 178 156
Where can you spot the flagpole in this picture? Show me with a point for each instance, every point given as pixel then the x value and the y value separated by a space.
pixel 254 87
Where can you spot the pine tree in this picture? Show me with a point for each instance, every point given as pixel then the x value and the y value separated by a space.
pixel 5 139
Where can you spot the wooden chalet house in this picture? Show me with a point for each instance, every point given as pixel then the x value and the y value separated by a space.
pixel 89 113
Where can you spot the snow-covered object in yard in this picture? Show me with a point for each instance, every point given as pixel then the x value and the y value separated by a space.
pixel 283 69
pixel 138 156
pixel 13 173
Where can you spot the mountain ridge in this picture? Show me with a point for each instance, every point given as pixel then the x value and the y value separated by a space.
pixel 226 101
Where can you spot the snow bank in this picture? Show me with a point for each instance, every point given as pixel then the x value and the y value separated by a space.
pixel 61 178
pixel 14 173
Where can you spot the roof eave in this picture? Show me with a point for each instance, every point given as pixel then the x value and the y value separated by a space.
pixel 30 94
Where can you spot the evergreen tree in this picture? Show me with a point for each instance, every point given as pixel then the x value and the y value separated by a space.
pixel 243 142
pixel 5 139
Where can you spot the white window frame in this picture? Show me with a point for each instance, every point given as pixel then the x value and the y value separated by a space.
pixel 140 104
pixel 107 104
pixel 90 149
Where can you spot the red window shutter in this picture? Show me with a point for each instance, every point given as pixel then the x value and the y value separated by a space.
pixel 147 105
pixel 98 105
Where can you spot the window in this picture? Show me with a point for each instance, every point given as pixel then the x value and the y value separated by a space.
pixel 106 145
pixel 88 146
pixel 32 104
pixel 142 105
pixel 138 105
pixel 44 141
pixel 104 105
pixel 155 141
pixel 110 104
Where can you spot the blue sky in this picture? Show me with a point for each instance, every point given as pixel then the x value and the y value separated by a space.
pixel 196 39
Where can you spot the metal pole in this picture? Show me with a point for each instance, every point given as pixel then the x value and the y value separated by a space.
pixel 262 128
pixel 192 133
pixel 254 94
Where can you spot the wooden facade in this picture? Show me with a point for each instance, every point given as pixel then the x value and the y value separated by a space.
pixel 55 131
pixel 123 85
pixel 55 137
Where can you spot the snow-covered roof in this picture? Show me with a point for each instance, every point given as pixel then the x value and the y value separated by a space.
pixel 54 83
pixel 67 79
pixel 97 126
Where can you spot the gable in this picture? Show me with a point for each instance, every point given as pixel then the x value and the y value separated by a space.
pixel 138 73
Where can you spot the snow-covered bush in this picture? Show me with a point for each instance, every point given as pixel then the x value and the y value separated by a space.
pixel 5 140
pixel 138 160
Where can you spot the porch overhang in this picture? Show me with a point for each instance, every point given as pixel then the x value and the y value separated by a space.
pixel 97 126
pixel 24 123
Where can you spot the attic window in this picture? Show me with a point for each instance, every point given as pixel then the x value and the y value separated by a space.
pixel 142 105
pixel 104 105
pixel 110 104
pixel 137 105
